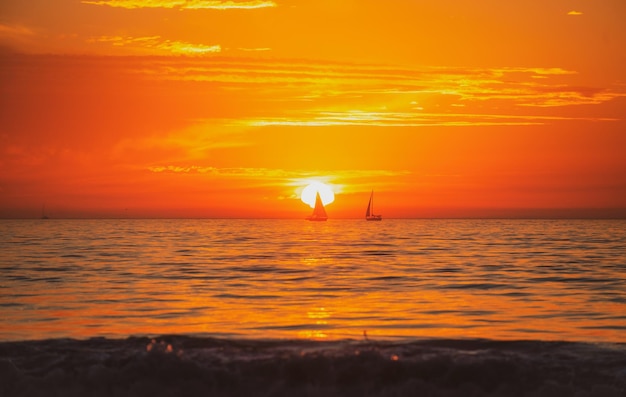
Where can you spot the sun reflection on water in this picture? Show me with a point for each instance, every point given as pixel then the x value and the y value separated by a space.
pixel 283 279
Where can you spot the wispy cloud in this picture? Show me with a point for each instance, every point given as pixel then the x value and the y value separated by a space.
pixel 254 49
pixel 225 5
pixel 238 172
pixel 318 94
pixel 341 180
pixel 193 142
pixel 246 93
pixel 407 119
pixel 157 44
pixel 18 35
pixel 574 13
pixel 288 184
pixel 15 30
pixel 184 4
pixel 294 175
pixel 519 86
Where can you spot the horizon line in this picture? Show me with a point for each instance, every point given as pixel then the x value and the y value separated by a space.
pixel 330 219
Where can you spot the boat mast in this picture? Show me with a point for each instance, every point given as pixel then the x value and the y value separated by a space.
pixel 370 215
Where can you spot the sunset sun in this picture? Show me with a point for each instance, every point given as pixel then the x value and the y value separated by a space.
pixel 308 193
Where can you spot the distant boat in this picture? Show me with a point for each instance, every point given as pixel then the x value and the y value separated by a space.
pixel 319 213
pixel 369 214
pixel 43 212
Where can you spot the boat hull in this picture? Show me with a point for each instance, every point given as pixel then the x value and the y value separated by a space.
pixel 374 218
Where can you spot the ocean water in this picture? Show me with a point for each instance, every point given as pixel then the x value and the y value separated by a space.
pixel 91 303
pixel 498 279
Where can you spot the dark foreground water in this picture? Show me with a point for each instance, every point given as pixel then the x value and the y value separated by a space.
pixel 279 307
pixel 186 366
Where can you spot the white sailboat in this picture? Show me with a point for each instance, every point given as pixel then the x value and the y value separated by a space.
pixel 319 212
pixel 369 214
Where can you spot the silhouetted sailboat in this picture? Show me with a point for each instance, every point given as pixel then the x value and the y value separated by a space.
pixel 319 213
pixel 369 214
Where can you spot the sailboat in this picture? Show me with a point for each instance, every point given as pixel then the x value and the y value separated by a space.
pixel 43 212
pixel 319 213
pixel 369 214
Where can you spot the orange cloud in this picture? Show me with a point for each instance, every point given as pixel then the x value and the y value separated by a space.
pixel 184 4
pixel 373 95
pixel 15 31
pixel 20 35
pixel 186 145
pixel 288 183
pixel 254 49
pixel 158 45
pixel 274 173
pixel 416 119
pixel 574 13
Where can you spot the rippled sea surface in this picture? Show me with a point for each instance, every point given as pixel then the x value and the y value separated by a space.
pixel 343 279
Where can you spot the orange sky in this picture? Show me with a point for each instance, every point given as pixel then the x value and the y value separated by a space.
pixel 197 108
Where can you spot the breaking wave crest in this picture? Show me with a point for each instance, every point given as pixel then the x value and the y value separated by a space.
pixel 190 366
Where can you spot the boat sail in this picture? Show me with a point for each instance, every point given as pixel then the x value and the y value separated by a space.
pixel 319 213
pixel 369 214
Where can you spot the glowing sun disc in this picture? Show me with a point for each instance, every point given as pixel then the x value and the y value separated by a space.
pixel 308 194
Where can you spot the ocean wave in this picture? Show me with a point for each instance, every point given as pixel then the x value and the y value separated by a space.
pixel 190 366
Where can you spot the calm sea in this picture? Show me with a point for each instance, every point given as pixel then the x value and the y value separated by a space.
pixel 293 279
